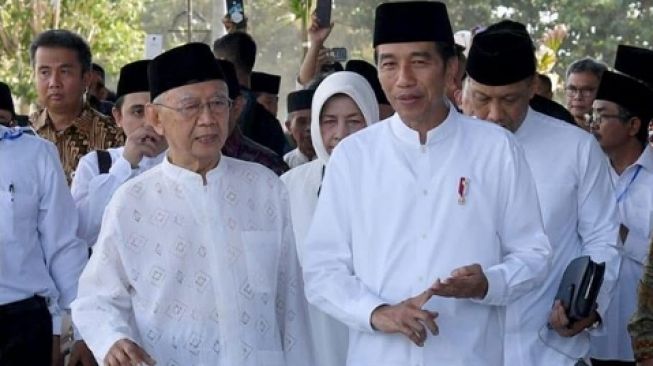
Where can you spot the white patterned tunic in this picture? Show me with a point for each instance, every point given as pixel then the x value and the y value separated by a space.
pixel 197 274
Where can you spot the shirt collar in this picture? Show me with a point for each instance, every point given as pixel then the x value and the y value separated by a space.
pixel 527 124
pixel 186 177
pixel 301 155
pixel 435 135
pixel 646 158
pixel 43 119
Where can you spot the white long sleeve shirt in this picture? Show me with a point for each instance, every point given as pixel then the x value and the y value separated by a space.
pixel 197 274
pixel 92 190
pixel 576 198
pixel 633 191
pixel 389 223
pixel 40 253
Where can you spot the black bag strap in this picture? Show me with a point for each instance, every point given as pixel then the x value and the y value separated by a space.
pixel 104 161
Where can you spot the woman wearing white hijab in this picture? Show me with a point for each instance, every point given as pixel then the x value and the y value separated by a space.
pixel 343 103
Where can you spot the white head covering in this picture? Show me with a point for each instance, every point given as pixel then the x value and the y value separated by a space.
pixel 463 38
pixel 350 84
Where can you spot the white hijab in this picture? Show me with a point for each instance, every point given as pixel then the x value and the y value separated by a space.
pixel 350 84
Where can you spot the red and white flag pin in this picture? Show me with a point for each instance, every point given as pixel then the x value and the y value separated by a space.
pixel 463 187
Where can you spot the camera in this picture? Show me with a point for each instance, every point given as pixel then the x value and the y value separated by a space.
pixel 337 54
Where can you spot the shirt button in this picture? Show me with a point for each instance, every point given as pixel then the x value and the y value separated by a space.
pixel 426 192
pixel 423 236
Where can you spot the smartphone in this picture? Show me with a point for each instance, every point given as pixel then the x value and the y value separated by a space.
pixel 323 13
pixel 236 10
pixel 339 54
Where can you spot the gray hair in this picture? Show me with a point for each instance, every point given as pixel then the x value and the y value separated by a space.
pixel 587 64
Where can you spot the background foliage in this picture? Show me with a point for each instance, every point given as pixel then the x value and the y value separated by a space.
pixel 112 28
pixel 116 28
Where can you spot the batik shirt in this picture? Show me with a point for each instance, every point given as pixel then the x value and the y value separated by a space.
pixel 90 131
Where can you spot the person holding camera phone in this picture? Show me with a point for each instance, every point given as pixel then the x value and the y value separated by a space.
pixel 574 190
pixel 428 223
pixel 317 55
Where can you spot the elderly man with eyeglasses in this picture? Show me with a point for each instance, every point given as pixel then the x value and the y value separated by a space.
pixel 582 81
pixel 195 261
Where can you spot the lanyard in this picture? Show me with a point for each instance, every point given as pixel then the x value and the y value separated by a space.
pixel 622 194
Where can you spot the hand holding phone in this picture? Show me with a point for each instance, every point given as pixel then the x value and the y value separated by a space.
pixel 338 54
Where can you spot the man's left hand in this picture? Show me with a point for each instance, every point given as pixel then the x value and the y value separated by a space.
pixel 80 354
pixel 468 282
pixel 560 323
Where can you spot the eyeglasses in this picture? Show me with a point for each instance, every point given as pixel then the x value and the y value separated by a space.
pixel 572 91
pixel 192 110
pixel 596 118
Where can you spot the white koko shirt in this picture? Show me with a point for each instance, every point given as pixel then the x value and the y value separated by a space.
pixel 197 274
pixel 579 213
pixel 392 218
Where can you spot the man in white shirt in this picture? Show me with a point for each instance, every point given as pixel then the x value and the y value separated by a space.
pixel 427 220
pixel 195 262
pixel 622 109
pixel 100 173
pixel 298 124
pixel 41 257
pixel 573 186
